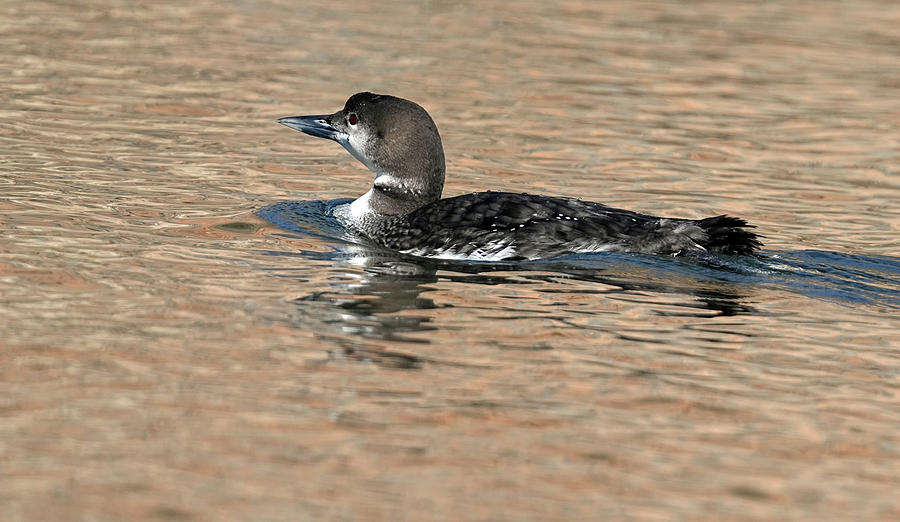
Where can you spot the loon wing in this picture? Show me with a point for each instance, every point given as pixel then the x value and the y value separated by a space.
pixel 502 225
pixel 509 226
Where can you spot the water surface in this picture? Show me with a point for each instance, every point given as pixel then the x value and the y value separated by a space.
pixel 168 354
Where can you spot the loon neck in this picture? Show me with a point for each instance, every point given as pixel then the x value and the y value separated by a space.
pixel 397 195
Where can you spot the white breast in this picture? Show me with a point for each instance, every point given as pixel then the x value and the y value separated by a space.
pixel 361 207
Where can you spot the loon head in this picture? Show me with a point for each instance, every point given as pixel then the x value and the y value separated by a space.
pixel 396 139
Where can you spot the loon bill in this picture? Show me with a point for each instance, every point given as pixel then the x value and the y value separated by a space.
pixel 398 141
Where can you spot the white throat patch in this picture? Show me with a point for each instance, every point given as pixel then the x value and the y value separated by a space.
pixel 356 146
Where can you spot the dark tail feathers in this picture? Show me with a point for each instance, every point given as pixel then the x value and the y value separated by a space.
pixel 729 235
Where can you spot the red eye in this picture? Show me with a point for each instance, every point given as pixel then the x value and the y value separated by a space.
pixel 353 119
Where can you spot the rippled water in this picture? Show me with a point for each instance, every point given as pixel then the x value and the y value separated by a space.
pixel 167 354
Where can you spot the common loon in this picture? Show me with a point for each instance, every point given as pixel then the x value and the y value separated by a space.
pixel 398 141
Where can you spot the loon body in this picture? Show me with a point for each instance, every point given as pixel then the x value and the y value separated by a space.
pixel 403 211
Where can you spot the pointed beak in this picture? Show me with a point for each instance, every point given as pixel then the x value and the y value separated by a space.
pixel 313 125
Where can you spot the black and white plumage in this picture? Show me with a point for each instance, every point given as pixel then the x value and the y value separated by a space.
pixel 397 139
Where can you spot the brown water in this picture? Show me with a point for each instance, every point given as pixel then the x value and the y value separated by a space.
pixel 165 354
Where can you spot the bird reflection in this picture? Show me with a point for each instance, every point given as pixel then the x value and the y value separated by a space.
pixel 378 302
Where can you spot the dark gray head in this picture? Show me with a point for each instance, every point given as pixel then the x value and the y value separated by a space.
pixel 393 137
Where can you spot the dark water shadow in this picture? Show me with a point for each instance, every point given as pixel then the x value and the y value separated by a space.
pixel 848 279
